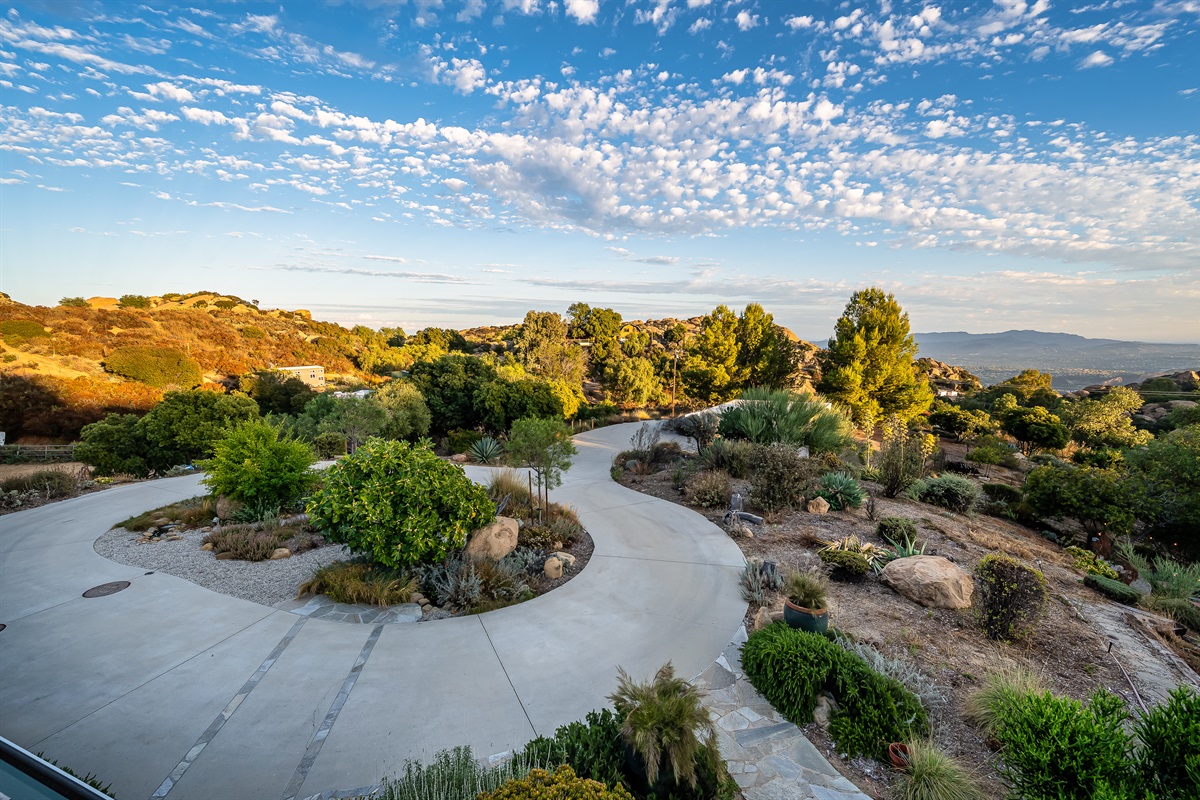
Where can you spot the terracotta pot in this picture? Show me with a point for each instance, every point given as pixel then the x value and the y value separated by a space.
pixel 898 754
pixel 813 620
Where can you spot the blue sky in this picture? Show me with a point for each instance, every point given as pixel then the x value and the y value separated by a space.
pixel 996 165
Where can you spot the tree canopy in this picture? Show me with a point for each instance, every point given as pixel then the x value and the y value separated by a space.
pixel 869 361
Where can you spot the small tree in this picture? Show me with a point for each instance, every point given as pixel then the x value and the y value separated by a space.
pixel 902 457
pixel 73 302
pixel 1034 428
pixel 186 426
pixel 356 418
pixel 543 445
pixel 869 363
pixel 115 446
pixel 408 416
pixel 252 464
pixel 133 301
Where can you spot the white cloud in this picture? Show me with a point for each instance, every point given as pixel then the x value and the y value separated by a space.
pixel 745 20
pixel 170 91
pixel 797 23
pixel 1096 59
pixel 584 11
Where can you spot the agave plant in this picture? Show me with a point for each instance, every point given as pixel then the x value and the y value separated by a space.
pixel 841 490
pixel 486 451
pixel 665 723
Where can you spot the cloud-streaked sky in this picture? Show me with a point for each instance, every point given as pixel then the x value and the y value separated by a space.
pixel 997 165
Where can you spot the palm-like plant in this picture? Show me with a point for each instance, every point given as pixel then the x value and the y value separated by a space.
pixel 664 723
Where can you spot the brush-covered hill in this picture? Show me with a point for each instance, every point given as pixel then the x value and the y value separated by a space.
pixel 64 366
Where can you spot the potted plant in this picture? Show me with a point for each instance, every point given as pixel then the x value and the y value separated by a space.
pixel 666 728
pixel 805 605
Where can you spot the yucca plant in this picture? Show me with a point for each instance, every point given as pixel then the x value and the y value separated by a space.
pixel 665 724
pixel 486 451
pixel 841 490
pixel 875 555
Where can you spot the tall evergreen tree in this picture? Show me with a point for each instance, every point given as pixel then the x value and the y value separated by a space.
pixel 766 357
pixel 869 361
pixel 711 372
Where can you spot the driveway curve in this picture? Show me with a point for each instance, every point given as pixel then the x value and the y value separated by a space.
pixel 167 689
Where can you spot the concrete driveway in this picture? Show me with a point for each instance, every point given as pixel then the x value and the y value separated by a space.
pixel 170 690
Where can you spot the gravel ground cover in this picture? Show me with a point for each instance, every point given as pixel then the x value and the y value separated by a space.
pixel 266 582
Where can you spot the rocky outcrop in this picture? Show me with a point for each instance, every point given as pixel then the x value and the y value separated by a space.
pixel 932 581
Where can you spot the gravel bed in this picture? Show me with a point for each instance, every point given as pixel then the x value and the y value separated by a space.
pixel 267 582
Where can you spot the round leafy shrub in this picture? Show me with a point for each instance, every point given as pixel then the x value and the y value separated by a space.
pixel 564 784
pixel 779 479
pixel 711 489
pixel 952 492
pixel 841 490
pixel 592 747
pixel 330 444
pixel 1011 596
pixel 133 301
pixel 159 367
pixel 847 565
pixel 1002 493
pixel 399 504
pixel 896 529
pixel 791 667
pixel 253 465
pixel 1113 589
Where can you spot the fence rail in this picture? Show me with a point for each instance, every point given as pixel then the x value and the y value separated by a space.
pixel 37 452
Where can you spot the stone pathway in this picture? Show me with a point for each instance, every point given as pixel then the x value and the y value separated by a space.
pixel 768 756
pixel 321 607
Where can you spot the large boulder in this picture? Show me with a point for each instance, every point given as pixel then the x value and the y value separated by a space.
pixel 494 541
pixel 931 581
pixel 818 505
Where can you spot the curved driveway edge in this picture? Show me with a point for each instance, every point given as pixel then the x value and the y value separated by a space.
pixel 170 690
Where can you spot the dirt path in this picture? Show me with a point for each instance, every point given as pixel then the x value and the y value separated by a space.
pixel 17 470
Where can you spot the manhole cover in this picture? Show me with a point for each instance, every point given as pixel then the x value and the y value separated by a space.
pixel 105 589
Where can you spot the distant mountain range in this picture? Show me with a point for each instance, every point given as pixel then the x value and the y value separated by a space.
pixel 1074 361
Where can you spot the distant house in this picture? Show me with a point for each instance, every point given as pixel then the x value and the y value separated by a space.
pixel 313 376
pixel 361 394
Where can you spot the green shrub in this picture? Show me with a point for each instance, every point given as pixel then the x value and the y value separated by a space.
pixel 243 543
pixel 1056 747
pixel 1113 589
pixel 564 784
pixel 1011 596
pixel 160 367
pixel 701 427
pixel 710 489
pixel 987 706
pixel 896 529
pixel 766 416
pixel 593 748
pixel 847 565
pixel 841 490
pixel 74 302
pixel 133 301
pixel 16 331
pixel 253 465
pixel 116 445
pixel 1169 758
pixel 330 444
pixel 1179 609
pixel 756 583
pixel 933 775
pixel 729 455
pixel 460 441
pixel 790 667
pixel 49 483
pixel 1001 493
pixel 398 503
pixel 952 492
pixel 1091 563
pixel 780 477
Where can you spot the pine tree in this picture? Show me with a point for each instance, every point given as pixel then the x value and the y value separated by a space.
pixel 869 361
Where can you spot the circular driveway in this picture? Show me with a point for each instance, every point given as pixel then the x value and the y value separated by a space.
pixel 167 689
